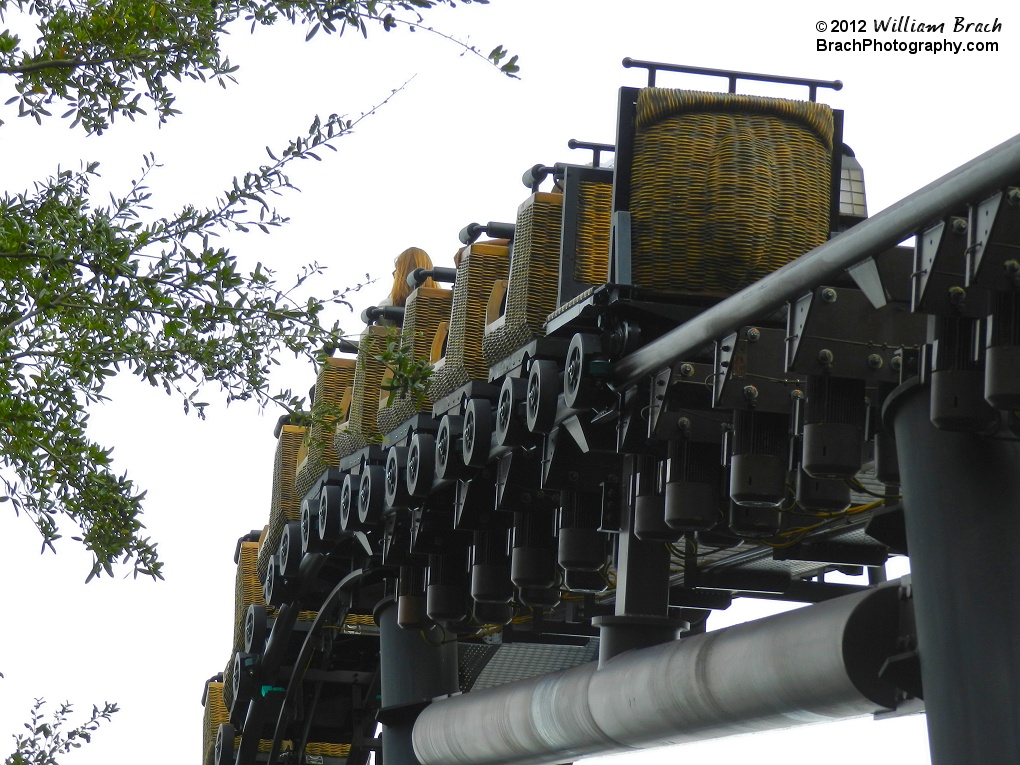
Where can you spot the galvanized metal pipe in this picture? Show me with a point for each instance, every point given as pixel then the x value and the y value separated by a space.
pixel 815 664
pixel 992 170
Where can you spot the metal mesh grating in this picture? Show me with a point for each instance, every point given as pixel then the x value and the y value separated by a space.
pixel 490 666
pixel 571 303
pixel 471 660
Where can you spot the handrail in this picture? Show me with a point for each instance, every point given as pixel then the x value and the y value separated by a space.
pixel 732 76
pixel 595 148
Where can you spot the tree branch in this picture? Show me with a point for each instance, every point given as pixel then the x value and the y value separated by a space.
pixel 66 63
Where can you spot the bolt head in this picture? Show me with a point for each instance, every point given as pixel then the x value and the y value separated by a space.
pixel 825 356
pixel 829 295
pixel 753 335
pixel 686 370
pixel 750 392
pixel 875 361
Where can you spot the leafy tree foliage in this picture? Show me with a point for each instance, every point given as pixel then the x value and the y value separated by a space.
pixel 46 740
pixel 410 375
pixel 92 290
pixel 99 59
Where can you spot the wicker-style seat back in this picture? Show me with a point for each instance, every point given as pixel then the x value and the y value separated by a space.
pixel 247 590
pixel 425 309
pixel 725 188
pixel 361 427
pixel 326 749
pixel 593 215
pixel 215 715
pixel 335 376
pixel 534 277
pixel 587 223
pixel 480 265
pixel 286 503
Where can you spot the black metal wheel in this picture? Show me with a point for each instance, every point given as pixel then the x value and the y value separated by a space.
pixel 477 435
pixel 396 477
pixel 255 625
pixel 579 385
pixel 329 513
pixel 510 429
pixel 348 502
pixel 223 749
pixel 421 464
pixel 310 540
pixel 543 392
pixel 289 551
pixel 272 584
pixel 242 681
pixel 449 460
pixel 371 495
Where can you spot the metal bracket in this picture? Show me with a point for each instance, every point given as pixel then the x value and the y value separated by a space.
pixel 750 372
pixel 620 253
pixel 994 246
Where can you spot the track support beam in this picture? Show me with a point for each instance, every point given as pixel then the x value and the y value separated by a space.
pixel 960 495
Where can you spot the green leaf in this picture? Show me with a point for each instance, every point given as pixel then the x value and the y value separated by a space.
pixel 93 286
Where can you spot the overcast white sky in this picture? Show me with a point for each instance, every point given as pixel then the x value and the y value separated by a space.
pixel 448 150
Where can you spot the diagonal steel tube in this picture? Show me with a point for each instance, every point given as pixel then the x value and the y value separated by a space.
pixel 814 664
pixel 990 171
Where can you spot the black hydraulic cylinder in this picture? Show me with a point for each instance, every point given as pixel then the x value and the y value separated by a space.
pixel 490 568
pixel 446 595
pixel 960 495
pixel 533 558
pixel 412 671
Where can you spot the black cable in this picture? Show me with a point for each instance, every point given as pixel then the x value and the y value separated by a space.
pixel 306 649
